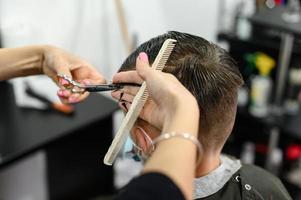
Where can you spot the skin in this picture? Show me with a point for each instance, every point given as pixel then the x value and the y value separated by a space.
pixel 48 60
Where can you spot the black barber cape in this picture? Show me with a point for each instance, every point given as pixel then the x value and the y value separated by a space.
pixel 248 183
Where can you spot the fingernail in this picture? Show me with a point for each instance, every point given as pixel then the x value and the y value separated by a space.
pixel 73 99
pixel 86 82
pixel 61 93
pixel 143 57
pixel 64 82
pixel 65 92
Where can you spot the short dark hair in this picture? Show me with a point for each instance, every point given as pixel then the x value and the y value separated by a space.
pixel 208 72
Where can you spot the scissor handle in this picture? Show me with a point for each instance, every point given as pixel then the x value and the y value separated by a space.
pixel 76 87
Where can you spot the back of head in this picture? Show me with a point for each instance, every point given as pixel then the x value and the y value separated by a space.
pixel 208 72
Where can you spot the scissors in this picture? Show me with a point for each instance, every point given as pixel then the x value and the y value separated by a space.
pixel 76 87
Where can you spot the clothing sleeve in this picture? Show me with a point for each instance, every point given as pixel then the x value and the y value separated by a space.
pixel 151 186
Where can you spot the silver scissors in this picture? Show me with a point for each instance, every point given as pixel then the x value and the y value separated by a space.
pixel 76 87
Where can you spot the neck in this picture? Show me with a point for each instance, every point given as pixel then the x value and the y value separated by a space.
pixel 210 161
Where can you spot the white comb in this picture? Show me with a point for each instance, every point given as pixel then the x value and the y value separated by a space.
pixel 137 104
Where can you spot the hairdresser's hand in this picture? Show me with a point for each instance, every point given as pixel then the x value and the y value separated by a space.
pixel 57 61
pixel 167 94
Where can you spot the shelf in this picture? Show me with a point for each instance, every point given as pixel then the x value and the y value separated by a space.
pixel 260 42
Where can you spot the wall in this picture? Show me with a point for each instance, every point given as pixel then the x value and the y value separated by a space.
pixel 91 30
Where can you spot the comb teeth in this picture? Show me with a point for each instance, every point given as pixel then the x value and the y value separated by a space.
pixel 137 105
pixel 165 55
pixel 144 95
pixel 162 61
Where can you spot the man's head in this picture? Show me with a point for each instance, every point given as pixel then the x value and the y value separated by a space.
pixel 209 73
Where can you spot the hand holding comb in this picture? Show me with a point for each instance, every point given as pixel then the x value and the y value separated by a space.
pixel 137 104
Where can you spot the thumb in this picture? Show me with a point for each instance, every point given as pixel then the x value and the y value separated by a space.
pixel 142 66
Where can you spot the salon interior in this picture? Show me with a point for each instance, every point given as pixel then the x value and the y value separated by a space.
pixel 49 153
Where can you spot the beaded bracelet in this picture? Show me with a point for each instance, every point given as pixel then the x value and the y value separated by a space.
pixel 186 136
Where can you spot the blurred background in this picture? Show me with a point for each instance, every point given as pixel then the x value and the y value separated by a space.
pixel 46 154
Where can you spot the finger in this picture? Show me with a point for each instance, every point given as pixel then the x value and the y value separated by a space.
pixel 82 97
pixel 151 76
pixel 86 82
pixel 117 95
pixel 96 77
pixel 130 90
pixel 74 98
pixel 122 106
pixel 127 77
pixel 64 69
pixel 63 93
pixel 98 81
pixel 64 100
pixel 87 72
pixel 121 96
pixel 142 65
pixel 125 106
pixel 127 97
pixel 67 96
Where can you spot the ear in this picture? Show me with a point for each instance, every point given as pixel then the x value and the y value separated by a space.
pixel 151 130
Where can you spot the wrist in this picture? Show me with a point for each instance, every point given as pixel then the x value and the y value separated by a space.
pixel 29 61
pixel 45 51
pixel 33 60
pixel 40 52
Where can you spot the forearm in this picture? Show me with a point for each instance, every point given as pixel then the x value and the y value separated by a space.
pixel 176 157
pixel 22 61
